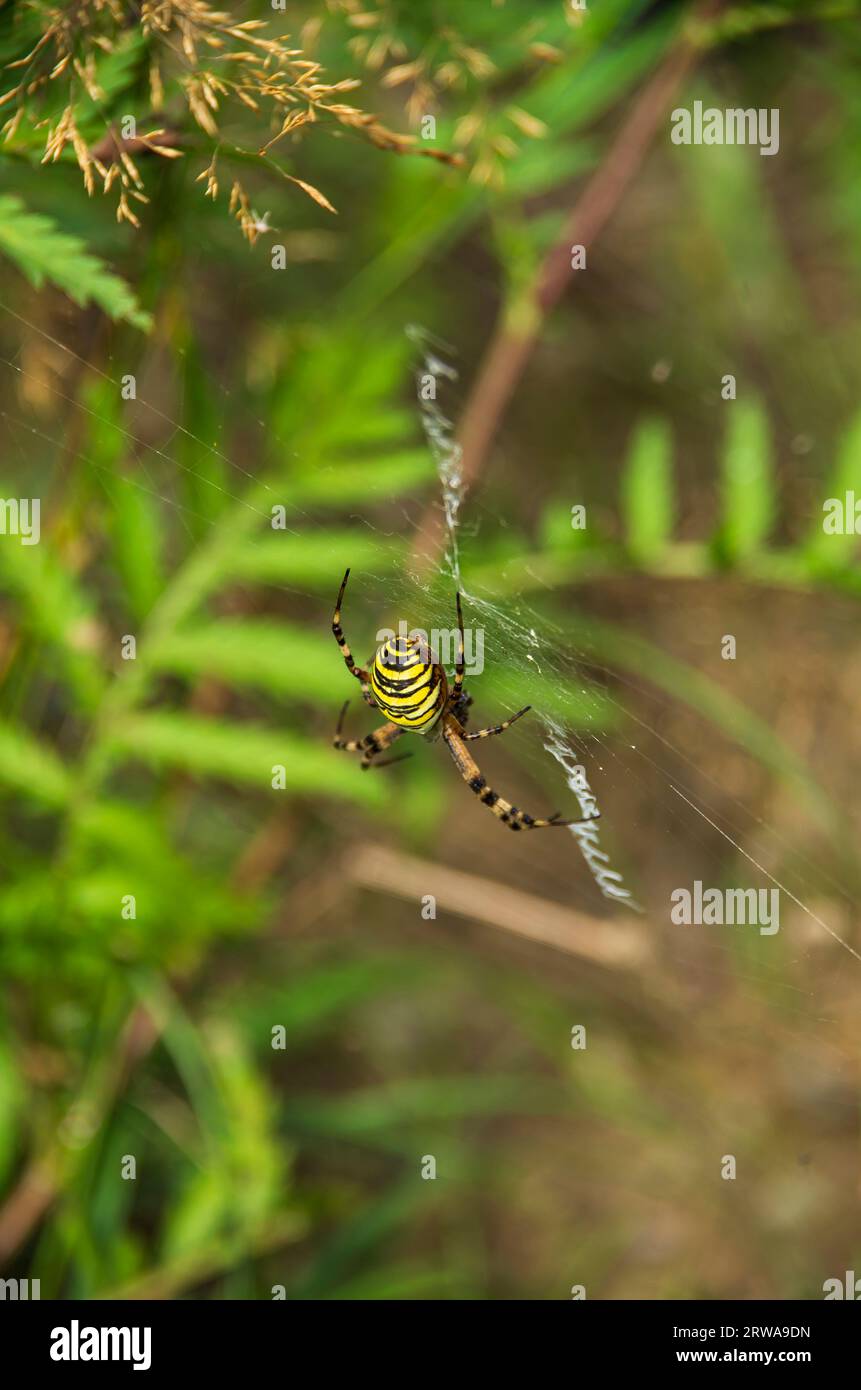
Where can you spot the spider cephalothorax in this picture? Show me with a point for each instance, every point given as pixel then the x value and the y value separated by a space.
pixel 410 687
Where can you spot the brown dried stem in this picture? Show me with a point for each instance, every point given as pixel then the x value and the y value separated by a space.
pixel 613 944
pixel 520 324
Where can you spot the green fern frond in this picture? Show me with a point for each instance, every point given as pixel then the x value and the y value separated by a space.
pixel 43 252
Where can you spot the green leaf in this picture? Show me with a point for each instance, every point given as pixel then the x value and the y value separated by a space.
pixel 365 481
pixel 43 252
pixel 30 767
pixel 56 609
pixel 543 165
pixel 13 1095
pixel 556 531
pixel 570 96
pixel 278 658
pixel 647 491
pixel 825 551
pixel 403 1104
pixel 360 1237
pixel 133 521
pixel 207 479
pixel 316 560
pixel 323 995
pixel 240 1185
pixel 245 754
pixel 405 1281
pixel 747 487
pixel 137 535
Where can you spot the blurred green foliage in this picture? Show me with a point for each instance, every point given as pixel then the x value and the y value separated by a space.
pixel 150 1034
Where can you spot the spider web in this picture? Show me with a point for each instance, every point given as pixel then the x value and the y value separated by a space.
pixel 653 780
pixel 447 454
pixel 527 641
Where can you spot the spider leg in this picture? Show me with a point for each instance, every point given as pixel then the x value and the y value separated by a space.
pixel 459 706
pixel 499 728
pixel 371 745
pixel 510 815
pixel 457 687
pixel 367 694
pixel 354 670
pixel 386 762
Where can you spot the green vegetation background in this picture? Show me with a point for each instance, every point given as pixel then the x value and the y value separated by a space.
pixel 152 1036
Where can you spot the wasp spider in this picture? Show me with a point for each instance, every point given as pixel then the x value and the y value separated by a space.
pixel 412 690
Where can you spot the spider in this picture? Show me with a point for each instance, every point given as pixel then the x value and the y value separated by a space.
pixel 411 688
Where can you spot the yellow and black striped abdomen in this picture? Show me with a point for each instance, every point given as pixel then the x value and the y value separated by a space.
pixel 409 688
